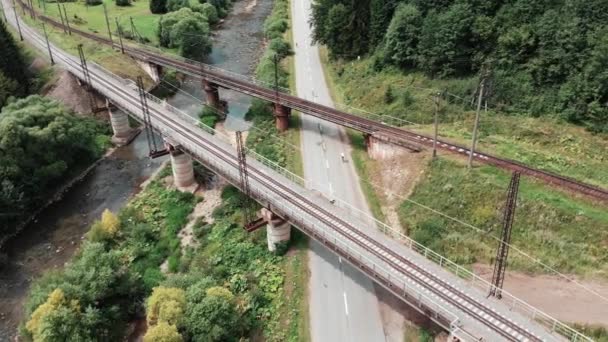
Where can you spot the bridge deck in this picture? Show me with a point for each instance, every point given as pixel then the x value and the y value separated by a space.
pixel 444 297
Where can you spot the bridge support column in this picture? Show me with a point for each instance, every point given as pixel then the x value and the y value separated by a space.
pixel 213 94
pixel 281 114
pixel 183 172
pixel 123 134
pixel 378 149
pixel 277 229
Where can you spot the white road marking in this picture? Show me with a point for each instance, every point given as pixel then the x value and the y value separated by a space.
pixel 345 304
pixel 331 189
pixel 327 163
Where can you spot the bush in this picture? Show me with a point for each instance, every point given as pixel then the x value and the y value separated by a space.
pixel 123 3
pixel 93 2
pixel 158 6
pixel 280 47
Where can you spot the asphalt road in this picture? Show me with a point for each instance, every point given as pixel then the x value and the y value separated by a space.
pixel 343 304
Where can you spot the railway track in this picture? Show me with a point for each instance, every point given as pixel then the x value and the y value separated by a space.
pixel 402 266
pixel 394 134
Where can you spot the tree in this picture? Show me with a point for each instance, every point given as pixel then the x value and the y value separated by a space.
pixel 40 143
pixel 163 332
pixel 381 12
pixel 214 318
pixel 186 30
pixel 208 10
pixel 444 47
pixel 8 88
pixel 166 304
pixel 12 62
pixel 401 45
pixel 158 6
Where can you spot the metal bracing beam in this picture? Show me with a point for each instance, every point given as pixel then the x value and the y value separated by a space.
pixel 500 265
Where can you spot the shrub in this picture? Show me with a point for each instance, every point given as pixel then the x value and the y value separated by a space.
pixel 158 6
pixel 163 332
pixel 281 47
pixel 166 304
pixel 123 3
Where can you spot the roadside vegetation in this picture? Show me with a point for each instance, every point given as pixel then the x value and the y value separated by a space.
pixel 560 228
pixel 264 138
pixel 537 90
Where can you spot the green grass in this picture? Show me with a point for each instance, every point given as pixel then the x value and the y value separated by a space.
pixel 540 142
pixel 361 160
pixel 92 19
pixel 104 56
pixel 565 232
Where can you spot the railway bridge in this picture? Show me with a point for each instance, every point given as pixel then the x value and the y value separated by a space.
pixel 426 281
pixel 381 138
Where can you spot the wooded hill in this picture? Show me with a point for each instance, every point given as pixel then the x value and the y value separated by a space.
pixel 544 57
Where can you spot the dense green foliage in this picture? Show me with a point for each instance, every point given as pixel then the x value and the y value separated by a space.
pixel 111 276
pixel 13 70
pixel 187 31
pixel 545 57
pixel 158 6
pixel 41 143
pixel 123 2
pixel 99 286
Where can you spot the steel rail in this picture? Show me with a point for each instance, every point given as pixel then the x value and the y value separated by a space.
pixel 393 134
pixel 307 206
pixel 332 218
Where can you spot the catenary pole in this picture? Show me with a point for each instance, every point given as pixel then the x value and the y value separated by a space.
pixel 476 127
pixel 48 45
pixel 436 125
pixel 119 30
pixel 105 12
pixel 17 19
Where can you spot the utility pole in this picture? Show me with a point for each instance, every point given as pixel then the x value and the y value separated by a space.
pixel 3 13
pixel 119 30
pixel 87 77
pixel 46 36
pixel 17 19
pixel 276 76
pixel 500 265
pixel 436 98
pixel 67 22
pixel 105 12
pixel 474 141
pixel 32 13
pixel 61 16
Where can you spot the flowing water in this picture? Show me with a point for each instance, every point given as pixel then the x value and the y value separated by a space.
pixel 51 240
pixel 237 46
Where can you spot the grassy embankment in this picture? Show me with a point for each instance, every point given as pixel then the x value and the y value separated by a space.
pixel 566 231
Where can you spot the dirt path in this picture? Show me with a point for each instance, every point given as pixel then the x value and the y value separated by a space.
pixel 558 297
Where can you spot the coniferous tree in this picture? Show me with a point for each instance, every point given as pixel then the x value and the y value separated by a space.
pixel 12 63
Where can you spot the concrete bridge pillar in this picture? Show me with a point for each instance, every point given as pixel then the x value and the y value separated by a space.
pixel 281 114
pixel 378 149
pixel 277 229
pixel 120 125
pixel 213 94
pixel 183 172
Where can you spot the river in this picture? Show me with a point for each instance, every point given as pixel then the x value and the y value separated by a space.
pixel 51 240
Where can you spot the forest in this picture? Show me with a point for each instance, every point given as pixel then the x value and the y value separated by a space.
pixel 541 57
